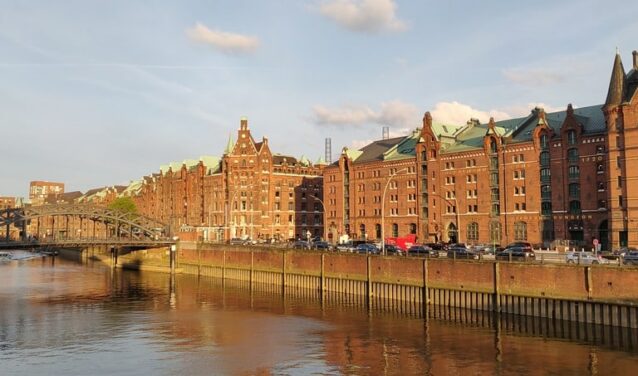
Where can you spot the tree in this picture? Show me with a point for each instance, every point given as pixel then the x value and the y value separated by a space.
pixel 123 204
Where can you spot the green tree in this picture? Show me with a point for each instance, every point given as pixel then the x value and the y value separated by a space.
pixel 123 204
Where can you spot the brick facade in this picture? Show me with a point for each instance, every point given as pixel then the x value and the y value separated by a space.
pixel 248 192
pixel 548 176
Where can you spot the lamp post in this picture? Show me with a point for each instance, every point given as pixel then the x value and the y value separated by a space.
pixel 323 214
pixel 385 189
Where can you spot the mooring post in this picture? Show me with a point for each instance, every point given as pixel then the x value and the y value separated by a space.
pixel 590 285
pixel 497 282
pixel 368 284
pixel 172 257
pixel 322 278
pixel 425 297
pixel 252 267
pixel 283 273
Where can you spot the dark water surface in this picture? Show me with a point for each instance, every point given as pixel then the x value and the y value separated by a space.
pixel 62 318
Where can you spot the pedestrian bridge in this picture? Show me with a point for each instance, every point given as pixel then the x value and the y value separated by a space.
pixel 79 225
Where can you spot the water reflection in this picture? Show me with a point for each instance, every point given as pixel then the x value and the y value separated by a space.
pixel 66 318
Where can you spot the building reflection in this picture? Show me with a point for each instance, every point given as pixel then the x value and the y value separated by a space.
pixel 236 330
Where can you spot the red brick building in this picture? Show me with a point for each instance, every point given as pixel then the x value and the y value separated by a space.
pixel 248 192
pixel 7 202
pixel 544 177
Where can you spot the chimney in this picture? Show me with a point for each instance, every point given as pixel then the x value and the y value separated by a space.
pixel 635 60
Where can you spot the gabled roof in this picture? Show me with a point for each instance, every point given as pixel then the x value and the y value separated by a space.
pixel 390 149
pixel 520 129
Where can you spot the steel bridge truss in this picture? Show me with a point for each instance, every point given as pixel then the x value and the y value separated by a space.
pixel 133 226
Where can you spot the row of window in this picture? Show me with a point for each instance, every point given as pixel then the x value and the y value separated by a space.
pixel 472 232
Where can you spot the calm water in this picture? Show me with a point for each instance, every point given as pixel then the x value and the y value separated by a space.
pixel 62 318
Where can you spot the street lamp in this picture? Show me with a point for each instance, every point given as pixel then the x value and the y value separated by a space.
pixel 323 214
pixel 385 189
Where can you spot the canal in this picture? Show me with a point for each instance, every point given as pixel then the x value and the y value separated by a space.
pixel 60 317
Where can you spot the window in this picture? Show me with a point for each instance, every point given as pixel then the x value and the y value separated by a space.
pixel 472 232
pixel 600 149
pixel 574 190
pixel 574 172
pixel 601 186
pixel 546 175
pixel 620 201
pixel 602 204
pixel 493 145
pixel 571 137
pixel 574 207
pixel 395 230
pixel 600 168
pixel 544 141
pixel 544 158
pixel 619 182
pixel 572 155
pixel 495 232
pixel 496 209
pixel 520 231
pixel 546 208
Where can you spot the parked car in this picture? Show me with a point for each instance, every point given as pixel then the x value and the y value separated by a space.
pixel 437 246
pixel 321 246
pixel 392 249
pixel 238 241
pixel 584 258
pixel 422 250
pixel 484 249
pixel 461 253
pixel 631 258
pixel 346 247
pixel 519 253
pixel 524 245
pixel 367 248
pixel 300 244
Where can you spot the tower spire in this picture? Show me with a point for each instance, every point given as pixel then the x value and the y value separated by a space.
pixel 616 83
pixel 230 144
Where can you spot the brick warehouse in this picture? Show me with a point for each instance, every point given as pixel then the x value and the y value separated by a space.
pixel 248 192
pixel 547 176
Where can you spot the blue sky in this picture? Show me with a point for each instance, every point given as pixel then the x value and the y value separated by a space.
pixel 98 93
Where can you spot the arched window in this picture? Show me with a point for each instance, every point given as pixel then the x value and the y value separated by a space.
pixel 395 230
pixel 412 228
pixel 495 232
pixel 362 231
pixel 493 145
pixel 472 232
pixel 377 231
pixel 571 137
pixel 520 231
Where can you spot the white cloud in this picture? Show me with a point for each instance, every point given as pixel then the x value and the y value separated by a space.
pixel 364 15
pixel 458 113
pixel 223 41
pixel 392 113
pixel 533 77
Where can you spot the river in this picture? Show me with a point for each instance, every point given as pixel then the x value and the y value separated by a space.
pixel 60 317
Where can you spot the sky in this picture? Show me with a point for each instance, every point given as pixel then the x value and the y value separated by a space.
pixel 97 93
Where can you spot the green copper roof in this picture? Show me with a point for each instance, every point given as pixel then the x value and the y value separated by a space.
pixel 229 145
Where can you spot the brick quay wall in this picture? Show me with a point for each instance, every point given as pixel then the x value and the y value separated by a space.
pixel 605 295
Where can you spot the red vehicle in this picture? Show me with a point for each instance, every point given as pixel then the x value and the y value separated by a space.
pixel 402 242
